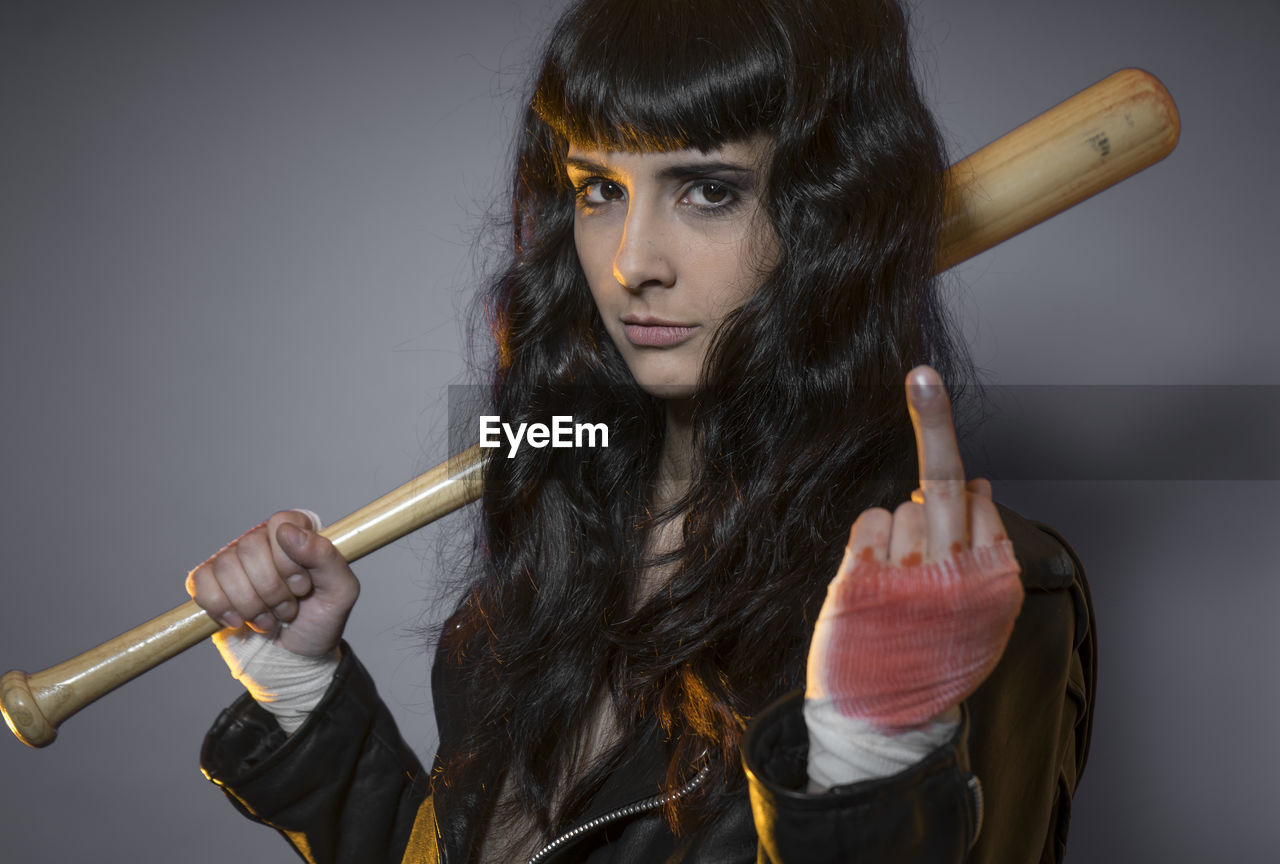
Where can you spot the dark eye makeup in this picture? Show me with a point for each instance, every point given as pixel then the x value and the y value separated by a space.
pixel 708 195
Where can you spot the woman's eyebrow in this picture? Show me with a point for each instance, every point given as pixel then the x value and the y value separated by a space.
pixel 587 167
pixel 700 169
pixel 682 171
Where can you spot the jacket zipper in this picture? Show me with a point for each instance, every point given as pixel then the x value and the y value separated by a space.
pixel 979 805
pixel 975 789
pixel 621 813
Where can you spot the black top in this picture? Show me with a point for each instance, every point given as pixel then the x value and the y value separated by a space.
pixel 346 788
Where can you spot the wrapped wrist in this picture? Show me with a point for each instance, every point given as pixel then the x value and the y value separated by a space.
pixel 286 684
pixel 844 750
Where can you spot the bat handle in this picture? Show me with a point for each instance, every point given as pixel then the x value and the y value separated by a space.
pixel 35 705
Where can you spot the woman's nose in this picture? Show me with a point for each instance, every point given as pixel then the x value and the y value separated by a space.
pixel 644 258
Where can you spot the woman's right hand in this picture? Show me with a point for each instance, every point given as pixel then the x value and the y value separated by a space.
pixel 280 572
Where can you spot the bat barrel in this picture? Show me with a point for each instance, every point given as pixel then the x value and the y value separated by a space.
pixel 1095 139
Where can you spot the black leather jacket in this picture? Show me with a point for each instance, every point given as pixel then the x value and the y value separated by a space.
pixel 346 788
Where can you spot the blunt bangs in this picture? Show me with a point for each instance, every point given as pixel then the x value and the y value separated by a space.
pixel 661 75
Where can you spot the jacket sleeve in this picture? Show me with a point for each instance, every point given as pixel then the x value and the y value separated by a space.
pixel 344 787
pixel 928 813
pixel 999 791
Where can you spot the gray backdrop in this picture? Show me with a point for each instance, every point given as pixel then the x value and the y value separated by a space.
pixel 235 253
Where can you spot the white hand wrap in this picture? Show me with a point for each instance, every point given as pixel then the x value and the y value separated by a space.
pixel 286 684
pixel 846 750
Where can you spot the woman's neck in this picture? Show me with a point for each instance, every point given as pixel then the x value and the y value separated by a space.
pixel 675 469
pixel 672 482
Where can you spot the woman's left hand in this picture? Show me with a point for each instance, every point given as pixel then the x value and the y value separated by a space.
pixel 923 604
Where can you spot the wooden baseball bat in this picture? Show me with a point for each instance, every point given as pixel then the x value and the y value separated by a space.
pixel 1074 150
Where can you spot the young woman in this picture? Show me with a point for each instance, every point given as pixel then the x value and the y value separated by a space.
pixel 724 221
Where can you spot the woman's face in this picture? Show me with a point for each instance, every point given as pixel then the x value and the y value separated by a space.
pixel 670 243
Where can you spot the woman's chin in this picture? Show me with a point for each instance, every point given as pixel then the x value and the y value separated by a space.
pixel 663 380
pixel 667 390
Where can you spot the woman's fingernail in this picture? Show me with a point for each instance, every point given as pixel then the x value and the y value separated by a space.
pixel 923 385
pixel 291 534
pixel 316 524
pixel 231 619
pixel 283 609
pixel 297 583
pixel 265 621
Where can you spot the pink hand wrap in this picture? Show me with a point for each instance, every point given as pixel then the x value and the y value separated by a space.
pixel 898 645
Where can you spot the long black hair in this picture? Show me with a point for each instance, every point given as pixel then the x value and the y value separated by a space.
pixel 800 420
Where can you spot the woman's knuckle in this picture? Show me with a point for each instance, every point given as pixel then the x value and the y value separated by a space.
pixel 325 552
pixel 213 602
pixel 873 515
pixel 252 544
pixel 276 593
pixel 907 510
pixel 946 489
pixel 986 509
pixel 244 599
pixel 251 608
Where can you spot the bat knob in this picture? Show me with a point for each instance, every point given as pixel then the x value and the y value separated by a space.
pixel 22 712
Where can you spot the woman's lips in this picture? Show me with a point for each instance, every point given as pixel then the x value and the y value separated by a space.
pixel 657 335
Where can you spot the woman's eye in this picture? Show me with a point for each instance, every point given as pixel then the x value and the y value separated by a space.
pixel 710 193
pixel 597 192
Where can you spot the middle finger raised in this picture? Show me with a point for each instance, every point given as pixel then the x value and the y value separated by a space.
pixel 941 472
